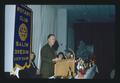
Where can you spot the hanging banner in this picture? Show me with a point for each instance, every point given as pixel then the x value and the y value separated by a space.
pixel 22 36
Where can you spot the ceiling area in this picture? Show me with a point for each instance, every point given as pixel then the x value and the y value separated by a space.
pixel 89 13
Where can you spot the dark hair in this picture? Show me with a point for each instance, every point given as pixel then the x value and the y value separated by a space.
pixel 62 54
pixel 50 35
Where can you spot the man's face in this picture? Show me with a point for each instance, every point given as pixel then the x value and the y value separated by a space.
pixel 51 40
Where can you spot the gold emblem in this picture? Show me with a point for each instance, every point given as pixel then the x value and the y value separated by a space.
pixel 23 32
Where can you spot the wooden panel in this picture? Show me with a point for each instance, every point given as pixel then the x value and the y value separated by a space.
pixel 64 67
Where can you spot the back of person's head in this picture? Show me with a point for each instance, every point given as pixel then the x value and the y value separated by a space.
pixel 61 53
pixel 68 54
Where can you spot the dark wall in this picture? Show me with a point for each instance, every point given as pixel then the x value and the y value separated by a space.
pixel 101 35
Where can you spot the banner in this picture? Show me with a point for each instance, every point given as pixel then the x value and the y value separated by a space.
pixel 22 36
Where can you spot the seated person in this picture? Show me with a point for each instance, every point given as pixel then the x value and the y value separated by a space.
pixel 80 69
pixel 31 71
pixel 60 56
pixel 69 55
pixel 86 65
pixel 91 63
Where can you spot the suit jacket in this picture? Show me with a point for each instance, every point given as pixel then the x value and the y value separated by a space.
pixel 47 66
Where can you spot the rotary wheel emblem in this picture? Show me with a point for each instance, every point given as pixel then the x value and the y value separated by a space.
pixel 23 32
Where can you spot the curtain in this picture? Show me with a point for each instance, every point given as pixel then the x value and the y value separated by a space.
pixel 44 23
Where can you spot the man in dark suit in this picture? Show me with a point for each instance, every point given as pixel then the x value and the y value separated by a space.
pixel 47 56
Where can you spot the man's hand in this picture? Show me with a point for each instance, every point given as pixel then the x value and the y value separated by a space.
pixel 55 60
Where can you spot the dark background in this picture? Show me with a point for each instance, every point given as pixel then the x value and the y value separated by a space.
pixel 97 43
pixel 102 36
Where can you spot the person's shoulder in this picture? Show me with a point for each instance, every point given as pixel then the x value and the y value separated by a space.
pixel 44 47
